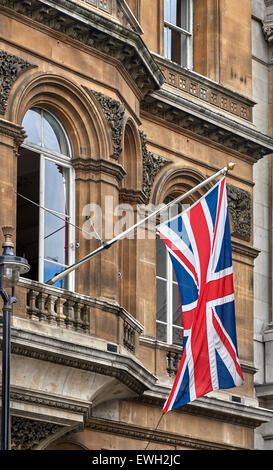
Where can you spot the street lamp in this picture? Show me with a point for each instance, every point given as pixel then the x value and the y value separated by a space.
pixel 11 267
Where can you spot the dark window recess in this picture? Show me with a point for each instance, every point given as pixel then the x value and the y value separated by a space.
pixel 112 347
pixel 27 235
pixel 236 399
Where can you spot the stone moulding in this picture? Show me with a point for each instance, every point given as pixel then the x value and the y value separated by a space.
pixel 97 31
pixel 114 112
pixel 152 164
pixel 205 123
pixel 11 67
pixel 157 437
pixel 208 91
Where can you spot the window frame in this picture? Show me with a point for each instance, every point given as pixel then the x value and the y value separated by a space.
pixel 183 32
pixel 170 280
pixel 65 161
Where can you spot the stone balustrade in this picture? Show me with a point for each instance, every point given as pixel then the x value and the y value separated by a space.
pixel 57 307
pixel 77 312
pixel 173 359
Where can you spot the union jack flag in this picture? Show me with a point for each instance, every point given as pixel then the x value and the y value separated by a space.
pixel 199 244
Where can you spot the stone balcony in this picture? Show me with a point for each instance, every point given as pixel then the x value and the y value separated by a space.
pixel 80 313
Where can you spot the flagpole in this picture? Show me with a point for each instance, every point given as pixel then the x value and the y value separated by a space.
pixel 105 245
pixel 155 429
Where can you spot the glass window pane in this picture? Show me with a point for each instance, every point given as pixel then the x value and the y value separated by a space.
pixel 167 10
pixel 161 300
pixel 161 258
pixel 56 187
pixel 32 124
pixel 161 332
pixel 185 15
pixel 177 312
pixel 177 336
pixel 175 5
pixel 50 270
pixel 184 50
pixel 176 47
pixel 53 135
pixel 56 239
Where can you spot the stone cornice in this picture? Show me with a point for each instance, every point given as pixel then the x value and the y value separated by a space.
pixel 125 368
pixel 166 438
pixel 12 130
pixel 205 123
pixel 211 407
pixel 97 31
pixel 99 166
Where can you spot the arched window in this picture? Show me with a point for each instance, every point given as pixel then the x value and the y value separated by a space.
pixel 169 326
pixel 45 176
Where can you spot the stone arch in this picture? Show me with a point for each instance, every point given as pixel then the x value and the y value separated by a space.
pixel 78 111
pixel 175 181
pixel 131 185
pixel 131 156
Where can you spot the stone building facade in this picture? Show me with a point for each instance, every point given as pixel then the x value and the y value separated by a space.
pixel 262 91
pixel 113 104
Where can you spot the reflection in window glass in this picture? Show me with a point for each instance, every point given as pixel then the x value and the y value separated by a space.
pixel 50 270
pixel 32 124
pixel 55 239
pixel 161 307
pixel 56 188
pixel 44 129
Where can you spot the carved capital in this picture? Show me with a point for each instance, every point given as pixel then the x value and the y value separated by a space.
pixel 152 164
pixel 11 68
pixel 239 202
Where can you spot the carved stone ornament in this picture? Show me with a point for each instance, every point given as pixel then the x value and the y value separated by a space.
pixel 11 67
pixel 152 164
pixel 239 203
pixel 114 112
pixel 26 434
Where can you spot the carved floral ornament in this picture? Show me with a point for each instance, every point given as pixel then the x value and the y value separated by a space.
pixel 11 68
pixel 239 203
pixel 114 113
pixel 26 433
pixel 152 165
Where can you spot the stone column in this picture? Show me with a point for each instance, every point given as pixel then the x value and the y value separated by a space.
pixel 11 137
pixel 97 188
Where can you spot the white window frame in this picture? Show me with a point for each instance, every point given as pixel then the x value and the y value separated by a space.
pixel 189 37
pixel 65 161
pixel 170 281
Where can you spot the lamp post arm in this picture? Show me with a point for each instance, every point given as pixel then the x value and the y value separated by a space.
pixel 7 299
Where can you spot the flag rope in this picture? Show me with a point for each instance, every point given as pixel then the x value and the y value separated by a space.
pixel 57 214
pixel 106 245
pixel 154 431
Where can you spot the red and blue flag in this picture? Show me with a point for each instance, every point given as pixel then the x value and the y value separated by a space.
pixel 199 244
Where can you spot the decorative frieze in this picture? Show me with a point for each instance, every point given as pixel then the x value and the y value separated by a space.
pixel 206 91
pixel 239 203
pixel 114 112
pixel 11 68
pixel 152 164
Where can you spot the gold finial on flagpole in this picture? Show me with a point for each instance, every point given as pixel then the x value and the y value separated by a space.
pixel 231 165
